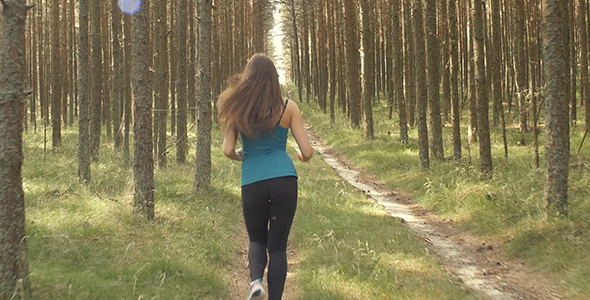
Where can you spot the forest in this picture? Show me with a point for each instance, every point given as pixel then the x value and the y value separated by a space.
pixel 112 184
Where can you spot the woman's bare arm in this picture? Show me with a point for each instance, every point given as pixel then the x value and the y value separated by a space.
pixel 305 151
pixel 229 146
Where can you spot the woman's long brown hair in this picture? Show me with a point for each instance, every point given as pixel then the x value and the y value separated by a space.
pixel 253 103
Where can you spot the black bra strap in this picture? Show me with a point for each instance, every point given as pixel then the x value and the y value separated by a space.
pixel 284 109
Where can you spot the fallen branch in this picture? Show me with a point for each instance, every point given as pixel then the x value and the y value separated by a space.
pixel 582 142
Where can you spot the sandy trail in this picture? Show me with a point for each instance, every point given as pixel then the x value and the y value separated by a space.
pixel 478 265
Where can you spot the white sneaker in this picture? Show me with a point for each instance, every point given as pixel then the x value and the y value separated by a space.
pixel 256 290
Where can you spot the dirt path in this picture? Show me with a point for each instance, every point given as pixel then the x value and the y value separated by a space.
pixel 480 266
pixel 238 274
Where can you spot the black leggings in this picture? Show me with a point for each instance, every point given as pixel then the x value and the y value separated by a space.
pixel 274 201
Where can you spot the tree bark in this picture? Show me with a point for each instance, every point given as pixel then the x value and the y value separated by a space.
pixel 118 75
pixel 203 156
pixel 481 90
pixel 161 83
pixel 433 94
pixel 56 63
pixel 521 68
pixel 445 62
pixel 573 62
pixel 127 88
pixel 173 65
pixel 368 68
pixel 107 70
pixel 454 78
pixel 420 69
pixel 472 130
pixel 84 171
pixel 556 67
pixel 181 84
pixel 305 43
pixel 143 160
pixel 341 53
pixel 332 57
pixel 14 267
pixel 495 64
pixel 409 63
pixel 97 80
pixel 398 69
pixel 353 61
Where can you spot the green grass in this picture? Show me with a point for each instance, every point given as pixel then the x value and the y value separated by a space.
pixel 86 243
pixel 350 248
pixel 508 210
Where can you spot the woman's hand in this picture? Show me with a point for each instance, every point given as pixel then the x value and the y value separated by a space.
pixel 239 154
pixel 299 155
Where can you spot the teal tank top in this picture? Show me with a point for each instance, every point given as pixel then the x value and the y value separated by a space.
pixel 265 156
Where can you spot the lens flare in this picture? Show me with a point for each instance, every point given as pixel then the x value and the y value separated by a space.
pixel 130 7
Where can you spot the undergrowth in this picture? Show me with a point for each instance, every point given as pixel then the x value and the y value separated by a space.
pixel 508 210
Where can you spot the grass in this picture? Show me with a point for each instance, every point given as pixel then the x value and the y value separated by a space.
pixel 508 210
pixel 86 243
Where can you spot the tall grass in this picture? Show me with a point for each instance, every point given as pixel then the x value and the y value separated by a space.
pixel 508 210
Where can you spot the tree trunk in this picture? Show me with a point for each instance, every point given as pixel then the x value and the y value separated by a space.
pixel 181 84
pixel 84 89
pixel 584 40
pixel 454 78
pixel 481 90
pixel 35 71
pixel 472 130
pixel 106 72
pixel 353 61
pixel 258 25
pixel 14 267
pixel 127 88
pixel 322 57
pixel 73 64
pixel 341 58
pixel 433 94
pixel 161 83
pixel 446 80
pixel 64 49
pixel 332 57
pixel 314 73
pixel 521 68
pixel 118 75
pixel 97 80
pixel 573 62
pixel 203 157
pixel 56 84
pixel 557 146
pixel 143 160
pixel 368 68
pixel 305 43
pixel 298 78
pixel 495 69
pixel 192 64
pixel 420 69
pixel 410 74
pixel 398 68
pixel 173 66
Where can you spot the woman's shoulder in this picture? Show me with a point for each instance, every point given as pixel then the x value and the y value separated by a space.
pixel 291 105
